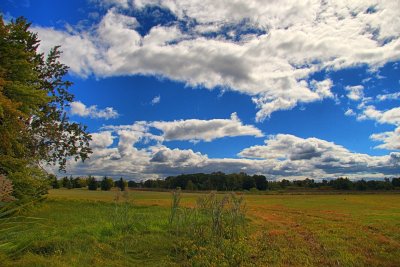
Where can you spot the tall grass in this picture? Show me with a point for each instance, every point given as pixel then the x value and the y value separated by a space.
pixel 176 199
pixel 123 217
pixel 213 233
pixel 10 221
pixel 13 224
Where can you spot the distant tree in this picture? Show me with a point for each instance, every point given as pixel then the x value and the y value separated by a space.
pixel 70 183
pixel 388 184
pixel 284 183
pixel 54 181
pixel 396 182
pixel 76 183
pixel 342 183
pixel 92 183
pixel 190 186
pixel 121 184
pixel 309 183
pixel 248 182
pixel 261 182
pixel 65 182
pixel 360 185
pixel 83 181
pixel 132 184
pixel 106 184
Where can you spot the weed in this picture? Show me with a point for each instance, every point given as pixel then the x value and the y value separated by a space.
pixel 176 199
pixel 123 217
pixel 212 233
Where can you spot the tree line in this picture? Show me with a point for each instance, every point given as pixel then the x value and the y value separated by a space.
pixel 89 182
pixel 220 181
pixel 241 181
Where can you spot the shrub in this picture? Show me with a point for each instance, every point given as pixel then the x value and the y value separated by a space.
pixel 211 234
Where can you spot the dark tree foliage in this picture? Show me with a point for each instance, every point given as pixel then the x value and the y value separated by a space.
pixel 70 184
pixel 241 181
pixel 342 183
pixel 106 184
pixel 214 181
pixel 76 182
pixel 65 181
pixel 361 185
pixel 261 182
pixel 248 182
pixel 133 184
pixel 121 184
pixel 396 182
pixel 92 183
pixel 55 184
pixel 34 127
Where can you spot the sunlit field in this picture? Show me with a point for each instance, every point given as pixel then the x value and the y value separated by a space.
pixel 83 228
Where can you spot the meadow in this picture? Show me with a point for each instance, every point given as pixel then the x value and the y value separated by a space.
pixel 105 228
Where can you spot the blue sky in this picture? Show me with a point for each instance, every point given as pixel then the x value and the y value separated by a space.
pixel 288 89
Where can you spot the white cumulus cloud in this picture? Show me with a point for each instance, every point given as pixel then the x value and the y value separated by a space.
pixel 297 39
pixel 282 156
pixel 355 93
pixel 391 140
pixel 205 130
pixel 80 109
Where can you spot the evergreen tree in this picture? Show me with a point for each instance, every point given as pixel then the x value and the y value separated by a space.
pixel 65 182
pixel 70 183
pixel 76 183
pixel 92 183
pixel 34 127
pixel 54 181
pixel 122 184
pixel 106 184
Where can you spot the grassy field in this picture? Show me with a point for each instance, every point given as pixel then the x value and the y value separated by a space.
pixel 83 228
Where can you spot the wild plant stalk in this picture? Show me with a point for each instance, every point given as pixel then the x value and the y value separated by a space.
pixel 212 233
pixel 176 199
pixel 123 212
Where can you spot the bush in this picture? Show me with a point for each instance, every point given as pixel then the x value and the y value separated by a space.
pixel 211 234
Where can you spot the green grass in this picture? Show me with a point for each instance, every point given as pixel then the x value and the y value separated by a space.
pixel 82 228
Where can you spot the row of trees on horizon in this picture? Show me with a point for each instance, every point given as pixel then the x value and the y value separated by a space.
pixel 225 182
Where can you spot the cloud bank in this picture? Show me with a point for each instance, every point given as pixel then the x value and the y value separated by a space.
pixel 282 156
pixel 267 50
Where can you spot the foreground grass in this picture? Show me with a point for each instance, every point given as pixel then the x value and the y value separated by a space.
pixel 82 233
pixel 80 228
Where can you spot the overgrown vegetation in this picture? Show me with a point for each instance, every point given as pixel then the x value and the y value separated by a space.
pixel 213 233
pixel 91 228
